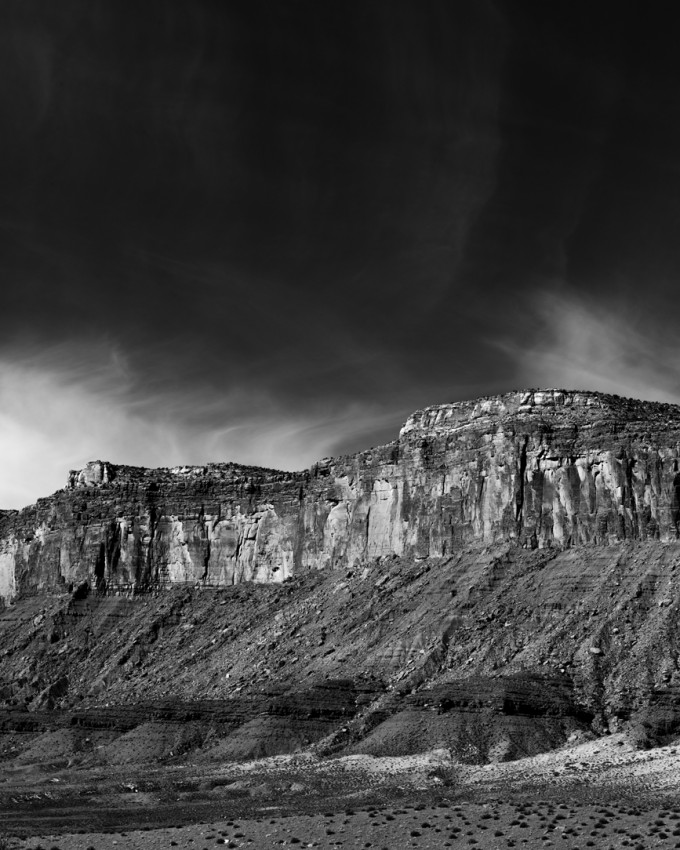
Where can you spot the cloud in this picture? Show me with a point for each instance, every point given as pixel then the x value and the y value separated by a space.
pixel 79 402
pixel 585 344
pixel 59 409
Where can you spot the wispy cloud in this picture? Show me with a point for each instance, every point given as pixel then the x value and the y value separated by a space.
pixel 75 403
pixel 587 344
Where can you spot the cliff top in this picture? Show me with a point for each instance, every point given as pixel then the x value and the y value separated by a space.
pixel 98 472
pixel 579 407
pixel 572 406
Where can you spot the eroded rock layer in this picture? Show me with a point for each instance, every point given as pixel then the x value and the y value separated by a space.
pixel 548 468
pixel 493 653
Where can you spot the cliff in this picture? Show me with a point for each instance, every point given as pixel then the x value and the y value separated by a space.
pixel 494 652
pixel 540 469
pixel 510 581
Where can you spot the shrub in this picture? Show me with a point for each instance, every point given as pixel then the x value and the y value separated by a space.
pixel 447 776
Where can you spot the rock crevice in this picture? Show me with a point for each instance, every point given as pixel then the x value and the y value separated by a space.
pixel 539 468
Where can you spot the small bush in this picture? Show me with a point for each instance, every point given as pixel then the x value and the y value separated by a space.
pixel 447 776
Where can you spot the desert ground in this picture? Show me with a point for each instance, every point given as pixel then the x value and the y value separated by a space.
pixel 601 793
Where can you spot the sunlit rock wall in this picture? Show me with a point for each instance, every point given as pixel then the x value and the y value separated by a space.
pixel 549 468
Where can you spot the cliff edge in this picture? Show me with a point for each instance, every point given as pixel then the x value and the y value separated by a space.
pixel 549 468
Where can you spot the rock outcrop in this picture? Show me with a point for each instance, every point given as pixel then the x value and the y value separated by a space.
pixel 488 652
pixel 541 469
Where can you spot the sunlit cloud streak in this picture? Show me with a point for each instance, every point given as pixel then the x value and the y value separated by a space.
pixel 76 403
pixel 588 344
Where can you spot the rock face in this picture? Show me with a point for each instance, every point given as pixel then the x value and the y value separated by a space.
pixel 502 578
pixel 540 469
pixel 486 652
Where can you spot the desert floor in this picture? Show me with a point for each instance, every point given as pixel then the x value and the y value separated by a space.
pixel 479 825
pixel 601 794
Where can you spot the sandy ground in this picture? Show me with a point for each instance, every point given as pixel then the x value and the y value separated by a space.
pixel 478 825
pixel 600 794
pixel 603 762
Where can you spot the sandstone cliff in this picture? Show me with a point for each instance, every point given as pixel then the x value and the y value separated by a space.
pixel 540 469
pixel 510 579
pixel 494 652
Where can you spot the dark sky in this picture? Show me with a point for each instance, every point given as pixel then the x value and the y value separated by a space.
pixel 267 231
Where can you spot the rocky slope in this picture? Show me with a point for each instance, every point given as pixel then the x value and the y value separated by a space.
pixel 494 652
pixel 539 468
pixel 506 577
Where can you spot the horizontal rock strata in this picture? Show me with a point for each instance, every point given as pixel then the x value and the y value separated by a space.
pixel 488 653
pixel 541 469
